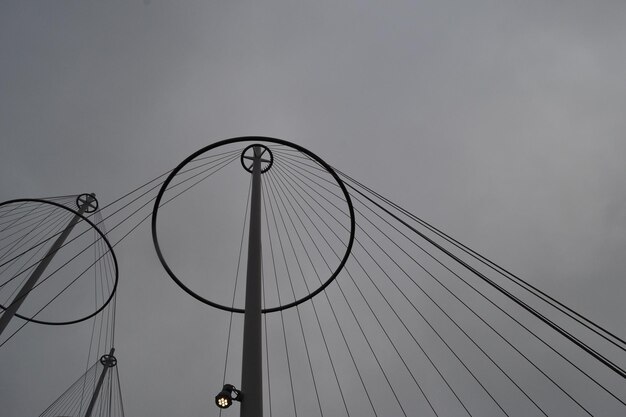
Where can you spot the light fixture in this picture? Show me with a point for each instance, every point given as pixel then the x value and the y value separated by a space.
pixel 227 395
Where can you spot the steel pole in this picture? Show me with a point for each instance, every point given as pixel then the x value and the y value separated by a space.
pixel 96 392
pixel 251 367
pixel 43 264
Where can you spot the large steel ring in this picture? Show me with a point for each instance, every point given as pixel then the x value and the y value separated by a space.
pixel 102 235
pixel 310 154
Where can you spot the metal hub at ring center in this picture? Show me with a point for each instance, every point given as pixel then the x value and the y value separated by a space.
pixel 248 156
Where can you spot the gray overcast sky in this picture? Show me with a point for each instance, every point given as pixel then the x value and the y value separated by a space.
pixel 501 122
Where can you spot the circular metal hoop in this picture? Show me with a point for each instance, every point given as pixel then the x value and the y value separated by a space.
pixel 102 235
pixel 269 161
pixel 305 151
pixel 90 200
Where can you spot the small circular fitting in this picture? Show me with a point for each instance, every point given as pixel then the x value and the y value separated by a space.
pixel 108 360
pixel 89 200
pixel 266 155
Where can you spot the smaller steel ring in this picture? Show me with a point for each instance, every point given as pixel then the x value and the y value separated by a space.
pixel 106 241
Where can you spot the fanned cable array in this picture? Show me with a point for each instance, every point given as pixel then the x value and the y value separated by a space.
pixel 98 391
pixel 79 399
pixel 84 263
pixel 416 323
